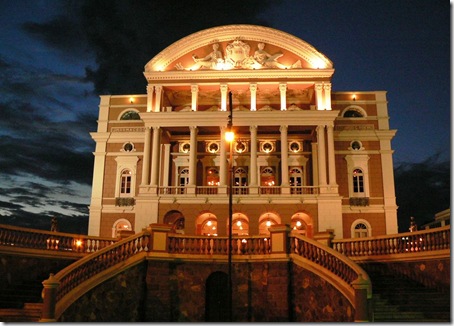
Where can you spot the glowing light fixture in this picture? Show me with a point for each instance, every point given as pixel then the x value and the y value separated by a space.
pixel 131 100
pixel 229 136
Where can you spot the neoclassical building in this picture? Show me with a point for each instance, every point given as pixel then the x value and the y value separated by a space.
pixel 303 154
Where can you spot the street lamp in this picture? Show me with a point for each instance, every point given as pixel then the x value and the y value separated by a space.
pixel 229 137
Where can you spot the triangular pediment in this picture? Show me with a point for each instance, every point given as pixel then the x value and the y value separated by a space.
pixel 238 47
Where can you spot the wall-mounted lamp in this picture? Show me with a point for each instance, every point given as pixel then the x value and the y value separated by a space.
pixel 131 100
pixel 354 97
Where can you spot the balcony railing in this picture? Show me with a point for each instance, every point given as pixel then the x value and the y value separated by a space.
pixel 241 190
pixel 14 236
pixel 409 242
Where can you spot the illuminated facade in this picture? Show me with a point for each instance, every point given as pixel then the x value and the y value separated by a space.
pixel 303 155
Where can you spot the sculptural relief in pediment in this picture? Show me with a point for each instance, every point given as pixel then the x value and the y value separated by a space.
pixel 237 56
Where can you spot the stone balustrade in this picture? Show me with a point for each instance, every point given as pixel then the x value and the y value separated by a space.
pixel 401 243
pixel 14 236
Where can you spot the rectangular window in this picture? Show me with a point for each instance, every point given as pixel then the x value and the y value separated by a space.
pixel 125 184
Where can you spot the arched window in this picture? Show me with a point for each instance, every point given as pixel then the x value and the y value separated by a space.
pixel 358 181
pixel 240 177
pixel 296 180
pixel 130 115
pixel 125 182
pixel 240 224
pixel 352 113
pixel 265 221
pixel 361 229
pixel 210 227
pixel 121 225
pixel 213 177
pixel 267 176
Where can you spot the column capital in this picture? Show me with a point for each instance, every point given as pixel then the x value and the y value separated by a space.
pixel 318 86
pixel 282 87
pixel 158 88
pixel 253 128
pixel 193 128
pixel 253 87
pixel 194 88
pixel 150 88
pixel 283 128
pixel 223 87
pixel 327 86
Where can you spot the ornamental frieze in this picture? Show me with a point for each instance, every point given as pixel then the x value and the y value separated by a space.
pixel 237 56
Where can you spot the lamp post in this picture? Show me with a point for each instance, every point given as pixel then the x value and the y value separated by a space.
pixel 230 136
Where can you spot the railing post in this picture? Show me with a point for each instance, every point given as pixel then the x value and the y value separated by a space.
pixel 159 237
pixel 325 237
pixel 361 287
pixel 279 238
pixel 49 296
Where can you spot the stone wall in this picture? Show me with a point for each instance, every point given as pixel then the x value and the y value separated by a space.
pixel 119 299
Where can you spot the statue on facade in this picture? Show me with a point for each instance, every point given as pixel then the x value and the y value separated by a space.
pixel 413 225
pixel 53 224
pixel 237 57
pixel 210 61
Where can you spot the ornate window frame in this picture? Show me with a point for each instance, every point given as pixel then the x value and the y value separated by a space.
pixel 126 163
pixel 354 229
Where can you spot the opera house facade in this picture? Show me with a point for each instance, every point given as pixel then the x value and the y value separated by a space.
pixel 302 154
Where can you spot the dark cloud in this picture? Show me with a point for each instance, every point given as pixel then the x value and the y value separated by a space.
pixel 50 106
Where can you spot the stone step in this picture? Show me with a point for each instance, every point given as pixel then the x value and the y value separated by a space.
pixel 31 313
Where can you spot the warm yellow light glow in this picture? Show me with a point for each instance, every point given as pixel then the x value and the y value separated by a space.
pixel 354 97
pixel 78 243
pixel 268 223
pixel 229 136
pixel 298 223
pixel 209 223
pixel 131 100
pixel 238 223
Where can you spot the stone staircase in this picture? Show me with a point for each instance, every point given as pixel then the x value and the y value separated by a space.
pixel 397 298
pixel 21 302
pixel 30 312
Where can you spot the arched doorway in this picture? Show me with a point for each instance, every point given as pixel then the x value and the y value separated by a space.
pixel 216 298
pixel 176 219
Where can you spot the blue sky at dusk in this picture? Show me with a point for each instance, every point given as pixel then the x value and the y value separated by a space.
pixel 49 102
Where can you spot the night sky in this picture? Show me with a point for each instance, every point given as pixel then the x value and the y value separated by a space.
pixel 57 57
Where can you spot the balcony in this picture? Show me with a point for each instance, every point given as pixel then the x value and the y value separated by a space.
pixel 260 191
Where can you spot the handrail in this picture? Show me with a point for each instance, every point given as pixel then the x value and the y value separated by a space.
pixel 329 259
pixel 15 236
pixel 241 190
pixel 408 242
pixel 202 245
pixel 89 266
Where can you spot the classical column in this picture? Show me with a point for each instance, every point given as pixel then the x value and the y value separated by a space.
pixel 253 166
pixel 284 155
pixel 283 91
pixel 253 90
pixel 224 89
pixel 167 165
pixel 331 156
pixel 319 96
pixel 192 156
pixel 327 95
pixel 315 163
pixel 155 156
pixel 157 107
pixel 321 155
pixel 150 90
pixel 195 94
pixel 146 157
